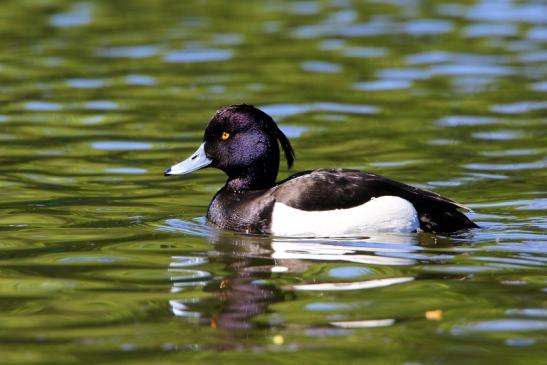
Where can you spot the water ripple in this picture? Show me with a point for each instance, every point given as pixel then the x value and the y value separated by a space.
pixel 285 110
pixel 364 52
pixel 507 166
pixel 528 312
pixel 465 120
pixel 382 85
pixel 489 30
pixel 539 86
pixel 505 11
pixel 428 58
pixel 42 106
pixel 120 145
pixel 539 56
pixel 520 107
pixel 126 170
pixel 471 70
pixel 501 325
pixel 427 27
pixel 86 83
pixel 370 323
pixel 79 15
pixel 355 285
pixel 141 80
pixel 498 135
pixel 101 105
pixel 404 73
pixel 198 55
pixel 321 67
pixel 139 51
pixel 538 33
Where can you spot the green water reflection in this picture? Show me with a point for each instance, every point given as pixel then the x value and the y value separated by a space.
pixel 103 260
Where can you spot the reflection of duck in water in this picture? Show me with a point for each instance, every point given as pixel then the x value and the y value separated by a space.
pixel 242 141
pixel 243 292
pixel 252 263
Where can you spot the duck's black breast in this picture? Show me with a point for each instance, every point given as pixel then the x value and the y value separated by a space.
pixel 329 189
pixel 247 211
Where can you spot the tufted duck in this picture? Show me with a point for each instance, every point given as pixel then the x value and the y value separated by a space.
pixel 242 141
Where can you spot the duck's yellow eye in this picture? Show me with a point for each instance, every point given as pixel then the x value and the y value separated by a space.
pixel 225 136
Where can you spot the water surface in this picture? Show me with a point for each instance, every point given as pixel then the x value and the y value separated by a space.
pixel 104 260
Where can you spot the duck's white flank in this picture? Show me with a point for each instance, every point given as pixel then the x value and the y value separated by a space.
pixel 383 214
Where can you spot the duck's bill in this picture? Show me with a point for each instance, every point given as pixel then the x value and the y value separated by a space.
pixel 197 161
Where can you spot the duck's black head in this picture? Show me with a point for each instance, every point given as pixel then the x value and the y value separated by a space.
pixel 242 141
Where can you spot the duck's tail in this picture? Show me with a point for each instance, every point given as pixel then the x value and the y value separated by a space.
pixel 446 221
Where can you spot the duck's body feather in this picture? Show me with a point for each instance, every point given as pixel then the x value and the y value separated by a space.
pixel 384 214
pixel 327 190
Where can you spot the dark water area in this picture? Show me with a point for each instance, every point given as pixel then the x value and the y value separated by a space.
pixel 105 260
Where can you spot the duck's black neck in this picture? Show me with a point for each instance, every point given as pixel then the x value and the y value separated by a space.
pixel 257 177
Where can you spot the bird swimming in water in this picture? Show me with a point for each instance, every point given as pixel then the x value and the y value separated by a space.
pixel 243 141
